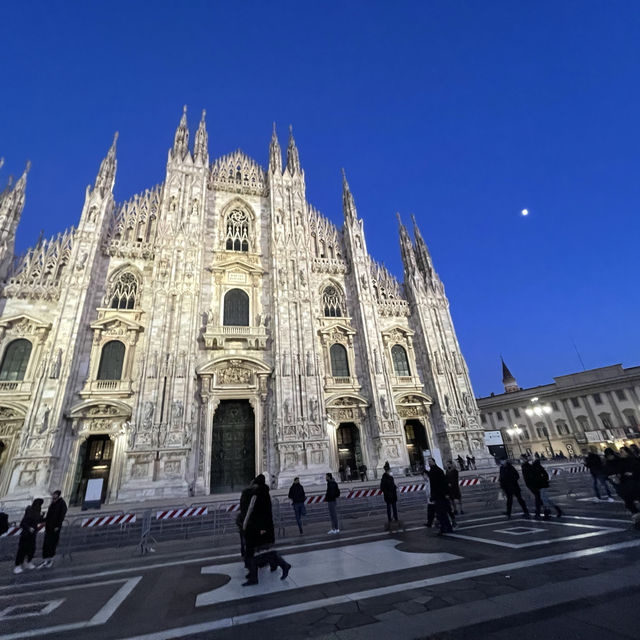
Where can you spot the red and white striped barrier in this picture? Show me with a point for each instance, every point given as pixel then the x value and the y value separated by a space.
pixel 409 488
pixel 190 512
pixel 363 493
pixel 15 531
pixel 102 521
pixel 313 499
pixel 469 482
pixel 233 507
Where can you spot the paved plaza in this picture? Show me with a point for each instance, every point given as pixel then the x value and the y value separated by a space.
pixel 575 577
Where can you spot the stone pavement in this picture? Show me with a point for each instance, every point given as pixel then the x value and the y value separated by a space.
pixel 492 579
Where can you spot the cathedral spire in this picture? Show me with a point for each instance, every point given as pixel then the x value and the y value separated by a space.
pixel 201 142
pixel 406 248
pixel 348 204
pixel 293 159
pixel 423 257
pixel 11 206
pixel 509 382
pixel 181 139
pixel 275 153
pixel 107 173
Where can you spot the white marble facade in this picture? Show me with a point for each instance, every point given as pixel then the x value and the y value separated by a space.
pixel 219 292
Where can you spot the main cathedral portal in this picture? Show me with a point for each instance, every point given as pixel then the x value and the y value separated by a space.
pixel 233 449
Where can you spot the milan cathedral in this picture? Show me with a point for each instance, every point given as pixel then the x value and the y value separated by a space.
pixel 214 327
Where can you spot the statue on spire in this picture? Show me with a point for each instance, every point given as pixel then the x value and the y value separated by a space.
pixel 293 159
pixel 201 142
pixel 348 204
pixel 181 140
pixel 275 153
pixel 423 257
pixel 107 173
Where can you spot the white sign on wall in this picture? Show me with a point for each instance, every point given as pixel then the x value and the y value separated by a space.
pixel 493 437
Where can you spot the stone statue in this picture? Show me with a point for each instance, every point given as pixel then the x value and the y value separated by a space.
pixel 153 366
pixel 181 365
pixel 56 363
pixel 147 419
pixel 286 370
pixel 309 363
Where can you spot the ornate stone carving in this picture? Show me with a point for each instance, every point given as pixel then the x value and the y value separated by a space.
pixel 234 375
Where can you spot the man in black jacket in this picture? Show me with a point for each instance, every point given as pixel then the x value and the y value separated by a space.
pixel 259 533
pixel 27 542
pixel 440 496
pixel 52 524
pixel 297 497
pixel 531 481
pixel 390 493
pixel 333 493
pixel 509 482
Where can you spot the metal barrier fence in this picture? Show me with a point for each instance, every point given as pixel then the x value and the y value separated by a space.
pixel 148 527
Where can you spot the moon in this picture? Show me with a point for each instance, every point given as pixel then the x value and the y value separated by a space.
pixel 525 212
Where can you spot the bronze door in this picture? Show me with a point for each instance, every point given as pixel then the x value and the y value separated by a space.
pixel 233 452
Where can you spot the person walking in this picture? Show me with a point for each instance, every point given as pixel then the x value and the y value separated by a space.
pixel 541 480
pixel 531 482
pixel 348 472
pixel 332 495
pixel 453 478
pixel 625 473
pixel 297 497
pixel 460 462
pixel 390 494
pixel 259 534
pixel 509 483
pixel 245 501
pixel 596 467
pixel 440 496
pixel 27 542
pixel 363 472
pixel 473 462
pixel 52 524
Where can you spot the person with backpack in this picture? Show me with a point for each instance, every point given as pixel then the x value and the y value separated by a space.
pixel 541 480
pixel 509 483
pixel 331 496
pixel 27 542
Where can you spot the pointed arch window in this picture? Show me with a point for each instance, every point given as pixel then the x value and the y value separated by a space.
pixel 339 361
pixel 15 360
pixel 124 291
pixel 400 360
pixel 236 308
pixel 111 361
pixel 237 231
pixel 333 302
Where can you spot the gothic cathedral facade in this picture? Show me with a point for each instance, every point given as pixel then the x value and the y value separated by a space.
pixel 214 327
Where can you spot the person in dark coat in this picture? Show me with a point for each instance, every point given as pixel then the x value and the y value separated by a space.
pixel 259 533
pixel 460 462
pixel 529 477
pixel 509 482
pixel 27 543
pixel 245 501
pixel 541 480
pixel 297 497
pixel 390 493
pixel 625 473
pixel 333 493
pixel 363 472
pixel 453 478
pixel 594 463
pixel 439 487
pixel 52 524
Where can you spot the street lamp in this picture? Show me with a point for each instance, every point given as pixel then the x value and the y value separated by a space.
pixel 516 432
pixel 540 410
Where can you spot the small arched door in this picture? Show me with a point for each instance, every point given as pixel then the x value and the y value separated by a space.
pixel 349 448
pixel 94 462
pixel 417 443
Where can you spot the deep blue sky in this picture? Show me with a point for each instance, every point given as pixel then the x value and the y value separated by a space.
pixel 461 112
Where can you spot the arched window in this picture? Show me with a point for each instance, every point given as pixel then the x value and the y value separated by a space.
pixel 333 302
pixel 339 361
pixel 400 360
pixel 15 360
pixel 236 308
pixel 237 231
pixel 111 361
pixel 124 291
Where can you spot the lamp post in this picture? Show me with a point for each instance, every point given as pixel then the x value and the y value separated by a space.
pixel 540 410
pixel 516 432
